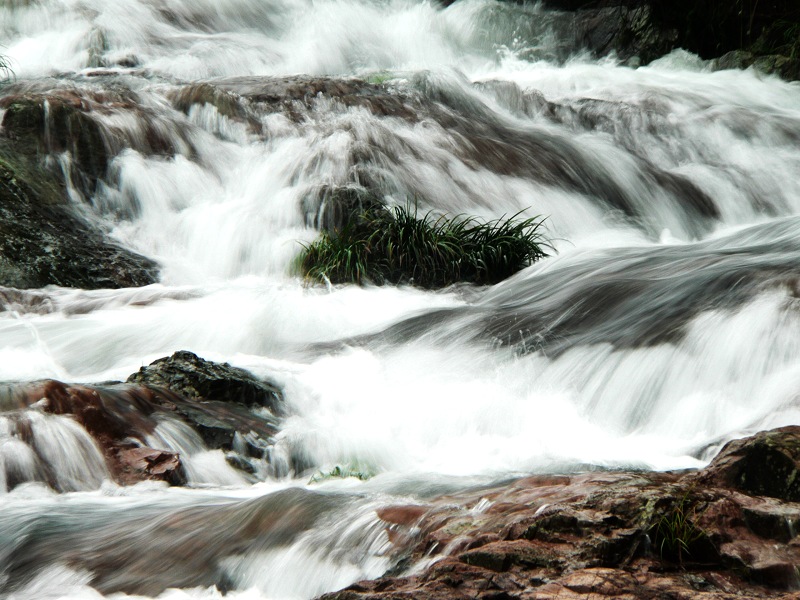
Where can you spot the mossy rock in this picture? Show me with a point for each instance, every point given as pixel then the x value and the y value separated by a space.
pixel 44 242
pixel 40 125
pixel 766 464
pixel 330 208
pixel 193 377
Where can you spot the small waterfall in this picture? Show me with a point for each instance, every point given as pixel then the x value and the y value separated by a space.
pixel 51 449
pixel 202 466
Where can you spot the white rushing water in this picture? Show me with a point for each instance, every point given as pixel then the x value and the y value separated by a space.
pixel 661 328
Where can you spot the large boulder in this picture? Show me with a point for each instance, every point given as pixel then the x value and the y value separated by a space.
pixel 217 400
pixel 766 464
pixel 193 377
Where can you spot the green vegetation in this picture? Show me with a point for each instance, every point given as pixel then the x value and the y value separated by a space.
pixel 6 72
pixel 676 536
pixel 379 77
pixel 339 472
pixel 395 245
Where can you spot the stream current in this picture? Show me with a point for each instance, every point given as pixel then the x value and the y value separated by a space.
pixel 666 322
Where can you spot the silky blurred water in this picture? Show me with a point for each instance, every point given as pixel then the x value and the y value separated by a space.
pixel 665 324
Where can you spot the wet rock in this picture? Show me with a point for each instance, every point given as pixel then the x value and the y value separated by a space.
pixel 330 208
pixel 50 118
pixel 44 242
pixel 607 535
pixel 136 554
pixel 119 419
pixel 503 555
pixel 227 103
pixel 193 377
pixel 54 124
pixel 762 35
pixel 123 418
pixel 627 31
pixel 293 95
pixel 137 464
pixel 217 400
pixel 767 464
pixel 784 66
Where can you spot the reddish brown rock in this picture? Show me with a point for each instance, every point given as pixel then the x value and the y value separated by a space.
pixel 728 531
pixel 402 515
pixel 137 464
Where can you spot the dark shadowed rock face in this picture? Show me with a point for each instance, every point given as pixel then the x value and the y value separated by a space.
pixel 44 242
pixel 767 464
pixel 758 34
pixel 610 535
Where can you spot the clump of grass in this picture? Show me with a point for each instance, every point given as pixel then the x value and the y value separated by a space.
pixel 678 538
pixel 396 245
pixel 341 472
pixel 379 78
pixel 6 72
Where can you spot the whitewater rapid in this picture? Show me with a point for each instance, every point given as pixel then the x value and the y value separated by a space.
pixel 665 323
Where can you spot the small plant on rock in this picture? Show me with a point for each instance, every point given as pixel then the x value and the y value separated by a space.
pixel 678 538
pixel 396 245
pixel 342 472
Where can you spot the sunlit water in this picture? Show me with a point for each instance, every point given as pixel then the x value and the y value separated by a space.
pixel 666 323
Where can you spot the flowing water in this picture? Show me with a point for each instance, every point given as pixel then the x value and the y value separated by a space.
pixel 666 323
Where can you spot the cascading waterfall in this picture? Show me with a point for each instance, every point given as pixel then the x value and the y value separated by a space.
pixel 665 323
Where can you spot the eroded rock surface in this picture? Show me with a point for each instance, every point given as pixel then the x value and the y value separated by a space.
pixel 609 535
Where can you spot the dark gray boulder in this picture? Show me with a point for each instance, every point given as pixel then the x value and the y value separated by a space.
pixel 219 401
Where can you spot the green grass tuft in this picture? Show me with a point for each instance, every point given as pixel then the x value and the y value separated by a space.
pixel 342 472
pixel 677 537
pixel 396 245
pixel 6 73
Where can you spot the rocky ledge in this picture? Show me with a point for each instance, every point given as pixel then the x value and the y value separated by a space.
pixel 53 151
pixel 727 531
pixel 227 408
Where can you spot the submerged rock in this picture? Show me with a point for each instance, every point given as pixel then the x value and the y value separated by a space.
pixel 620 535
